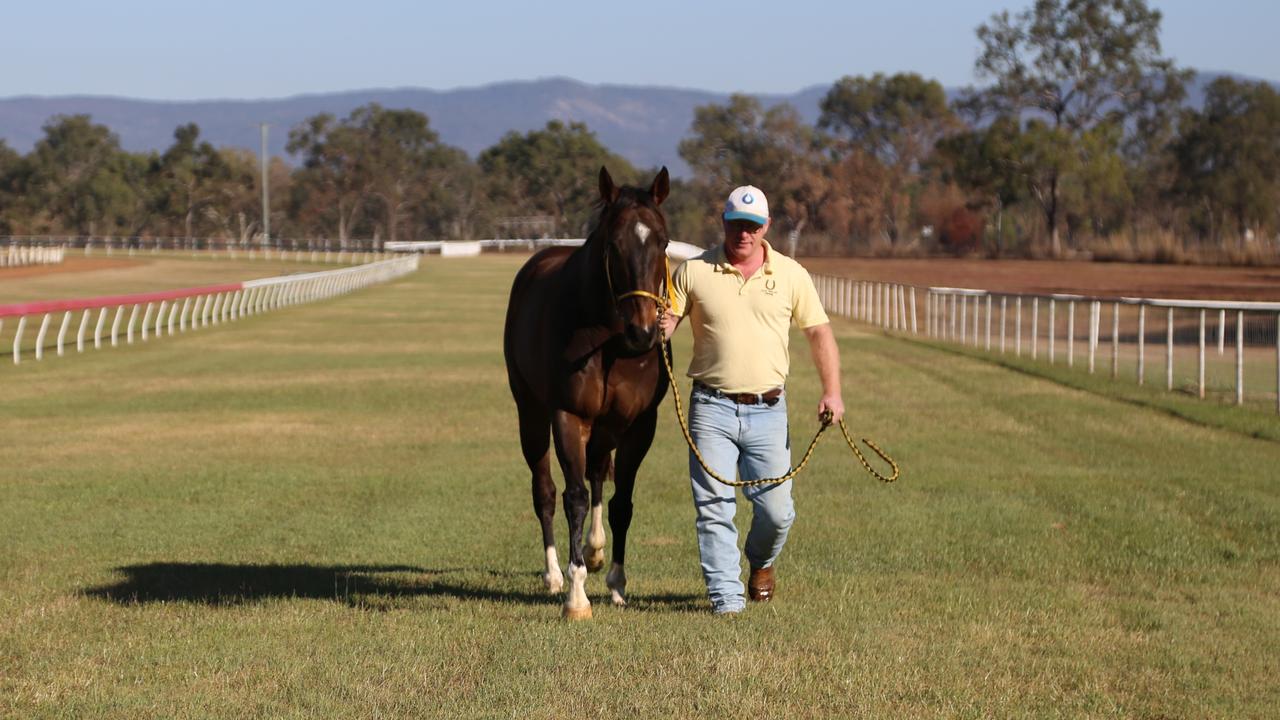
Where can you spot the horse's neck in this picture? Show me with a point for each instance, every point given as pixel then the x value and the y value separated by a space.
pixel 587 289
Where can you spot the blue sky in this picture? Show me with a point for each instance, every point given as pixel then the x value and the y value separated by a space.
pixel 236 49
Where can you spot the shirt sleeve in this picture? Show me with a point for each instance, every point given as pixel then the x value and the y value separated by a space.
pixel 806 305
pixel 680 290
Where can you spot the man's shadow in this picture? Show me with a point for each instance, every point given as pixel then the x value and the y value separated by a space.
pixel 369 586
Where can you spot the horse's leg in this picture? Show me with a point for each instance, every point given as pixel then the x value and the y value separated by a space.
pixel 599 465
pixel 535 442
pixel 571 435
pixel 631 451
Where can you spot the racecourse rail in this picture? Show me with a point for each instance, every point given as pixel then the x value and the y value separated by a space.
pixel 16 255
pixel 1030 324
pixel 177 310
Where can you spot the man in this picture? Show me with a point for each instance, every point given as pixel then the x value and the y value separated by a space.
pixel 741 299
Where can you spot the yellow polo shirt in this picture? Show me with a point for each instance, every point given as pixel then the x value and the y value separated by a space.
pixel 741 326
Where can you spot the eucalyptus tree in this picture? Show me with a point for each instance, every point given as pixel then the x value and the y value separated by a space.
pixel 895 119
pixel 1228 157
pixel 552 171
pixel 193 178
pixel 78 179
pixel 1072 65
pixel 742 143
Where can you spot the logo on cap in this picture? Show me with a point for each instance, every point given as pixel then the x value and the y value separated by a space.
pixel 748 199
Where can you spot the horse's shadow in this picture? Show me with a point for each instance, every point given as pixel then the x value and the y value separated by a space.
pixel 363 586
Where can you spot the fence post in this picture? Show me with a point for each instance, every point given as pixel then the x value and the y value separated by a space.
pixel 964 317
pixel 1222 331
pixel 1115 339
pixel 17 339
pixel 62 331
pixel 84 325
pixel 133 318
pixel 146 322
pixel 1018 326
pixel 1168 351
pixel 1004 303
pixel 1071 333
pixel 1035 327
pixel 988 343
pixel 1239 357
pixel 44 328
pixel 1142 343
pixel 1200 369
pixel 914 329
pixel 1094 311
pixel 1053 306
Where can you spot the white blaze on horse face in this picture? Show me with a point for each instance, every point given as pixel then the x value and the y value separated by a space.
pixel 642 232
pixel 553 578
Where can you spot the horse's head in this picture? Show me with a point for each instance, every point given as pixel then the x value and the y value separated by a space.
pixel 632 238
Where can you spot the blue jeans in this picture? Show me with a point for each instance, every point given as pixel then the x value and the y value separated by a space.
pixel 749 442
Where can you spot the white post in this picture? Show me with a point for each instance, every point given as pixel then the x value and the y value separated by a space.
pixel 988 333
pixel 1071 333
pixel 976 311
pixel 1168 351
pixel 1035 327
pixel 164 305
pixel 928 313
pixel 146 321
pixel 62 331
pixel 1017 333
pixel 133 318
pixel 1004 302
pixel 17 339
pixel 97 330
pixel 1053 304
pixel 1239 357
pixel 84 325
pixel 1115 340
pixel 182 315
pixel 174 310
pixel 1200 370
pixel 1222 331
pixel 914 329
pixel 1142 344
pixel 964 316
pixel 1094 311
pixel 44 328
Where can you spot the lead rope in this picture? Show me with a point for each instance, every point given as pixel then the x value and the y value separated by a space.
pixel 825 419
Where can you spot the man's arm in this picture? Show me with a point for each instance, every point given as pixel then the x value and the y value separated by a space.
pixel 826 357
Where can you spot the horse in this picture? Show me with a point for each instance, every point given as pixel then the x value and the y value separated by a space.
pixel 581 344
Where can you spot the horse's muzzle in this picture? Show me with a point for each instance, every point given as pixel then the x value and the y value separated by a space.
pixel 636 340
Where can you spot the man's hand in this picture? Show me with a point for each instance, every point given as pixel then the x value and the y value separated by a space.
pixel 832 403
pixel 669 323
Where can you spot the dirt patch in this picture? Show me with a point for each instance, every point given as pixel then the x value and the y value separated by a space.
pixel 69 265
pixel 1046 276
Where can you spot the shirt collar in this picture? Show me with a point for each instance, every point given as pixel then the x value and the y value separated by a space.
pixel 723 264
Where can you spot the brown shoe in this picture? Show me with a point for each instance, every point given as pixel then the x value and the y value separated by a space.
pixel 760 586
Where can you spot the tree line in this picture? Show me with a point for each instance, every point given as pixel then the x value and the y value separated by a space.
pixel 1078 141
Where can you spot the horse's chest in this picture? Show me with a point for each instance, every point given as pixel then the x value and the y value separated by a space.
pixel 618 391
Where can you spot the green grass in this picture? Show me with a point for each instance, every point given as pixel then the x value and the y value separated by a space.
pixel 322 511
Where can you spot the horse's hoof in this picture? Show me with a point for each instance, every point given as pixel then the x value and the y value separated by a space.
pixel 554 583
pixel 594 560
pixel 582 613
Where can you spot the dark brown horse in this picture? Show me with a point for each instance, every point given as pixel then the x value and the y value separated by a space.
pixel 582 343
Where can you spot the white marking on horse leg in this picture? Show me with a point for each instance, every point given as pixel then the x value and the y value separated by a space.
pixel 553 578
pixel 642 232
pixel 576 604
pixel 593 549
pixel 617 582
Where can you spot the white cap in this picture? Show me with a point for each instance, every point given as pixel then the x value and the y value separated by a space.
pixel 747 203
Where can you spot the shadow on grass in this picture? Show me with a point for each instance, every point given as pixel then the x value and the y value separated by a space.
pixel 363 586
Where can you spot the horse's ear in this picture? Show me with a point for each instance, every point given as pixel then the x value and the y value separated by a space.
pixel 608 191
pixel 661 186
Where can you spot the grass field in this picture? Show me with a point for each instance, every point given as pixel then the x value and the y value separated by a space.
pixel 322 512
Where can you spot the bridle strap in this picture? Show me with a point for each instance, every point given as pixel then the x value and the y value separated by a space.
pixel 662 302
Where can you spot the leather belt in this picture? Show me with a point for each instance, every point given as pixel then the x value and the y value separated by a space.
pixel 769 398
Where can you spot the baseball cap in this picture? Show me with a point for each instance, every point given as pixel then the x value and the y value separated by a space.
pixel 747 203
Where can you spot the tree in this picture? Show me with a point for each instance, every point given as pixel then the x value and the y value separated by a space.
pixel 1228 157
pixel 332 186
pixel 193 176
pixel 895 119
pixel 77 178
pixel 1072 64
pixel 552 171
pixel 741 143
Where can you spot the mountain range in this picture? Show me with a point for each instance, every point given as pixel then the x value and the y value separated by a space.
pixel 643 124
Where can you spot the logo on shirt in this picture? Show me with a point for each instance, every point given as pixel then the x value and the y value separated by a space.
pixel 770 286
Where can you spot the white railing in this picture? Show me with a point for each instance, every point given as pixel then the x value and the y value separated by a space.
pixel 173 311
pixel 19 255
pixel 1114 331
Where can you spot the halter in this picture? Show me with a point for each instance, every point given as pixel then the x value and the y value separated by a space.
pixel 663 303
